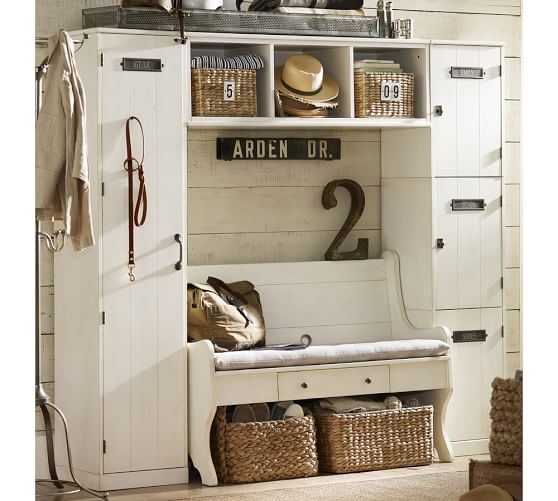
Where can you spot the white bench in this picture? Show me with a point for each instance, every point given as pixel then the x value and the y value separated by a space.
pixel 335 303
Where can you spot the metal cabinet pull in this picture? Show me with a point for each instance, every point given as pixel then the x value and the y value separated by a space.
pixel 440 243
pixel 178 240
pixel 438 110
pixel 304 385
pixel 367 380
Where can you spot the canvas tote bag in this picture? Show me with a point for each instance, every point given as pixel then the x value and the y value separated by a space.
pixel 229 315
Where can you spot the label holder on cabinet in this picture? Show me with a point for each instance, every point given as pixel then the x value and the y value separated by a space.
pixel 466 72
pixel 466 204
pixel 469 336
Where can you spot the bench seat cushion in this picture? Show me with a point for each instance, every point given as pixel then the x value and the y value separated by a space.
pixel 331 354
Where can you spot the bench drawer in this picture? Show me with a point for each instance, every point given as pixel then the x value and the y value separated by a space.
pixel 333 382
pixel 419 376
pixel 246 388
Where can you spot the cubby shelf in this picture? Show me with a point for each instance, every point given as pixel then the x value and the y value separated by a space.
pixel 304 123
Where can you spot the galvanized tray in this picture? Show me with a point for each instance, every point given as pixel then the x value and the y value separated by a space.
pixel 232 22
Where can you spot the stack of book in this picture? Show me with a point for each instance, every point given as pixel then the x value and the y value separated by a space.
pixel 377 66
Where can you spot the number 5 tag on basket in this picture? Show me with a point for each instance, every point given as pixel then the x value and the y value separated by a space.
pixel 229 315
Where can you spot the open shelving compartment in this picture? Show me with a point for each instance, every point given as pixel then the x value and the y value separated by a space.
pixel 337 57
pixel 412 60
pixel 263 76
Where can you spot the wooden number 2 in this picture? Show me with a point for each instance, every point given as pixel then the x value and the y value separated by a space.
pixel 357 207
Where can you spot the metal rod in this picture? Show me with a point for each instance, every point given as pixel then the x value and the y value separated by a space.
pixel 43 41
pixel 99 494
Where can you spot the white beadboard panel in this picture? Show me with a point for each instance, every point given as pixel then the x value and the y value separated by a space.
pixel 512 163
pixel 513 331
pixel 143 354
pixel 359 160
pixel 512 363
pixel 242 248
pixel 47 358
pixel 52 15
pixel 452 26
pixel 469 266
pixel 39 422
pixel 274 209
pixel 512 211
pixel 512 288
pixel 512 247
pixel 474 367
pixel 47 309
pixel 512 78
pixel 506 7
pixel 512 110
pixel 468 105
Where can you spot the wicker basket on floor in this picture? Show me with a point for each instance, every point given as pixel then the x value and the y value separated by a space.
pixel 485 472
pixel 368 95
pixel 375 440
pixel 506 438
pixel 209 88
pixel 262 451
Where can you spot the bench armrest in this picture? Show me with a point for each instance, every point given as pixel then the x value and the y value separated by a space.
pixel 401 327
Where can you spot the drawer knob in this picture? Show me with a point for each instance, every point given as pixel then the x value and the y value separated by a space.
pixel 367 380
pixel 304 385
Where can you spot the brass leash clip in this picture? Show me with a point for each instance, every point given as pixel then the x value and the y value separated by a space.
pixel 131 272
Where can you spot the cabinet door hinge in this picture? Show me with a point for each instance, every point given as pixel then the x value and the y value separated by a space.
pixel 103 317
pixel 102 189
pixel 102 59
pixel 104 446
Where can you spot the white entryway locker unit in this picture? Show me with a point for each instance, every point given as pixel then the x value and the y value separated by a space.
pixel 442 212
pixel 120 346
pixel 120 361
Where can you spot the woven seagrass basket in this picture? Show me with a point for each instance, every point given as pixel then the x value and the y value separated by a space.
pixel 375 440
pixel 262 451
pixel 209 88
pixel 506 438
pixel 485 472
pixel 368 95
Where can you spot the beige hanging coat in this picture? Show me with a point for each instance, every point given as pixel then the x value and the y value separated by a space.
pixel 61 168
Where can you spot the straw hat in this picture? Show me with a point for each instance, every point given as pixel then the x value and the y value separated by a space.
pixel 303 76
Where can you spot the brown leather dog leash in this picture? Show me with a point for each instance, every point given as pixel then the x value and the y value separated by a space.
pixel 133 213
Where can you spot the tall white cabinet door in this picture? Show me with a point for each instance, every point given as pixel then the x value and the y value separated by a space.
pixel 475 365
pixel 468 268
pixel 144 373
pixel 467 134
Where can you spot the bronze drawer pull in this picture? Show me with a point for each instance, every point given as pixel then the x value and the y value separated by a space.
pixel 367 380
pixel 304 385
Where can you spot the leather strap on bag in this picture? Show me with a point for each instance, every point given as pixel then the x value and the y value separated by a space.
pixel 141 203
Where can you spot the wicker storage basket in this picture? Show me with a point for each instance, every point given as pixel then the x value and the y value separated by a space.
pixel 375 440
pixel 506 438
pixel 368 96
pixel 262 451
pixel 208 93
pixel 485 472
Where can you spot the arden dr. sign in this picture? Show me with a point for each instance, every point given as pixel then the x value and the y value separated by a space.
pixel 243 148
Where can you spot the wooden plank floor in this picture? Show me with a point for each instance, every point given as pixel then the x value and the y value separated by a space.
pixel 194 490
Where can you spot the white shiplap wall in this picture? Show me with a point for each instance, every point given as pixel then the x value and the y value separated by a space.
pixel 289 239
